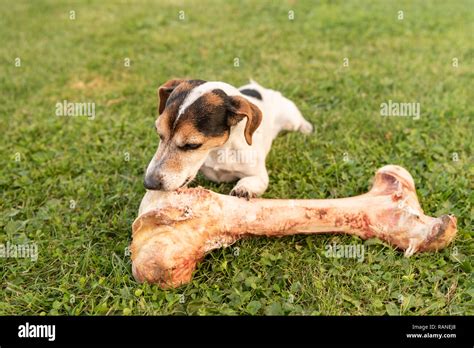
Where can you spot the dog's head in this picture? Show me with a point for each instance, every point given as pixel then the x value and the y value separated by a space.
pixel 194 118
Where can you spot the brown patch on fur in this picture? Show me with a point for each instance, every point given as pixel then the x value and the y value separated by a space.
pixel 165 90
pixel 215 141
pixel 184 85
pixel 180 89
pixel 241 108
pixel 176 158
pixel 188 133
pixel 212 99
pixel 173 162
pixel 162 124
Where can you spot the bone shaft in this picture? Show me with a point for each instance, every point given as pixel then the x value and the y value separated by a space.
pixel 282 217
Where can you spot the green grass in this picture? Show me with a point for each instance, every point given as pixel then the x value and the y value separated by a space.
pixel 82 267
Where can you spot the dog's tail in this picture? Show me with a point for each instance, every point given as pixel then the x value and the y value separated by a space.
pixel 253 82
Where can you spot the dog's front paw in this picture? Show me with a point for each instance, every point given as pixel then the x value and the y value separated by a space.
pixel 242 192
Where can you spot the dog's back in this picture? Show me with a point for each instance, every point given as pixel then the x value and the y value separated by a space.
pixel 279 113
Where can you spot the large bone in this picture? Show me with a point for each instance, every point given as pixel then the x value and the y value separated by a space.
pixel 175 230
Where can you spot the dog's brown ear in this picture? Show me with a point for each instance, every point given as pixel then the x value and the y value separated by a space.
pixel 240 108
pixel 164 92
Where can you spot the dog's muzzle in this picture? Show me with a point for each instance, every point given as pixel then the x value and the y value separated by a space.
pixel 153 182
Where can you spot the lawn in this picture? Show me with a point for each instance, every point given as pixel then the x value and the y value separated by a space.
pixel 72 185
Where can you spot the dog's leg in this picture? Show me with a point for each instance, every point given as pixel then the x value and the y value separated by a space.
pixel 289 117
pixel 251 186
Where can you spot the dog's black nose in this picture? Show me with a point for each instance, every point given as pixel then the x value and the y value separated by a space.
pixel 152 183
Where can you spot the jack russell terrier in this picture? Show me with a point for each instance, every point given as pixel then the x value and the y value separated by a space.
pixel 224 132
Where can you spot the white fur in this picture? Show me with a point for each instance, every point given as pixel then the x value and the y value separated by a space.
pixel 279 113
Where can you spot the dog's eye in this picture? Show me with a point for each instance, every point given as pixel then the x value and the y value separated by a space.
pixel 190 146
